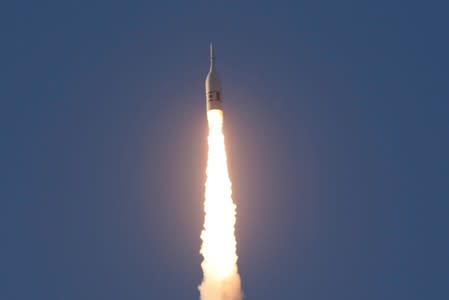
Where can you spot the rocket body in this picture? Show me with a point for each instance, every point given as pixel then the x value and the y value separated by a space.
pixel 212 85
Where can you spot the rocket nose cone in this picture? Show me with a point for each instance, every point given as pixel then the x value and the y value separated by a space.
pixel 212 56
pixel 212 79
pixel 212 51
pixel 212 84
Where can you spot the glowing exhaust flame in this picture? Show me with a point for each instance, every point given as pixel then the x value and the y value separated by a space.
pixel 221 279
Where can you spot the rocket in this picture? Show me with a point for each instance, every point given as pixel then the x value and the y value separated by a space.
pixel 212 85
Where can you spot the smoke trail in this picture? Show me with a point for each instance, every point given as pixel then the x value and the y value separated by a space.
pixel 221 280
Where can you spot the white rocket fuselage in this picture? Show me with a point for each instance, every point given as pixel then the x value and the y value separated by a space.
pixel 213 86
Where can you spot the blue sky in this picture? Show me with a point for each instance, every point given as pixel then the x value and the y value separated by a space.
pixel 336 116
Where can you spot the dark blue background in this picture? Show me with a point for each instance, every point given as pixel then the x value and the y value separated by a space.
pixel 337 125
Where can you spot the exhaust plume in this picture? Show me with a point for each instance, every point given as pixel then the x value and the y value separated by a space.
pixel 221 280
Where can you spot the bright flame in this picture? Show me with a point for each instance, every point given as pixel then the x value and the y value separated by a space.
pixel 221 279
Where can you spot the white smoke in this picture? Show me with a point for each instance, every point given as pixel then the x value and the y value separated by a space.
pixel 221 280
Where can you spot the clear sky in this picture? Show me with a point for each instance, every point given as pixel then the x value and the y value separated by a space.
pixel 337 127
